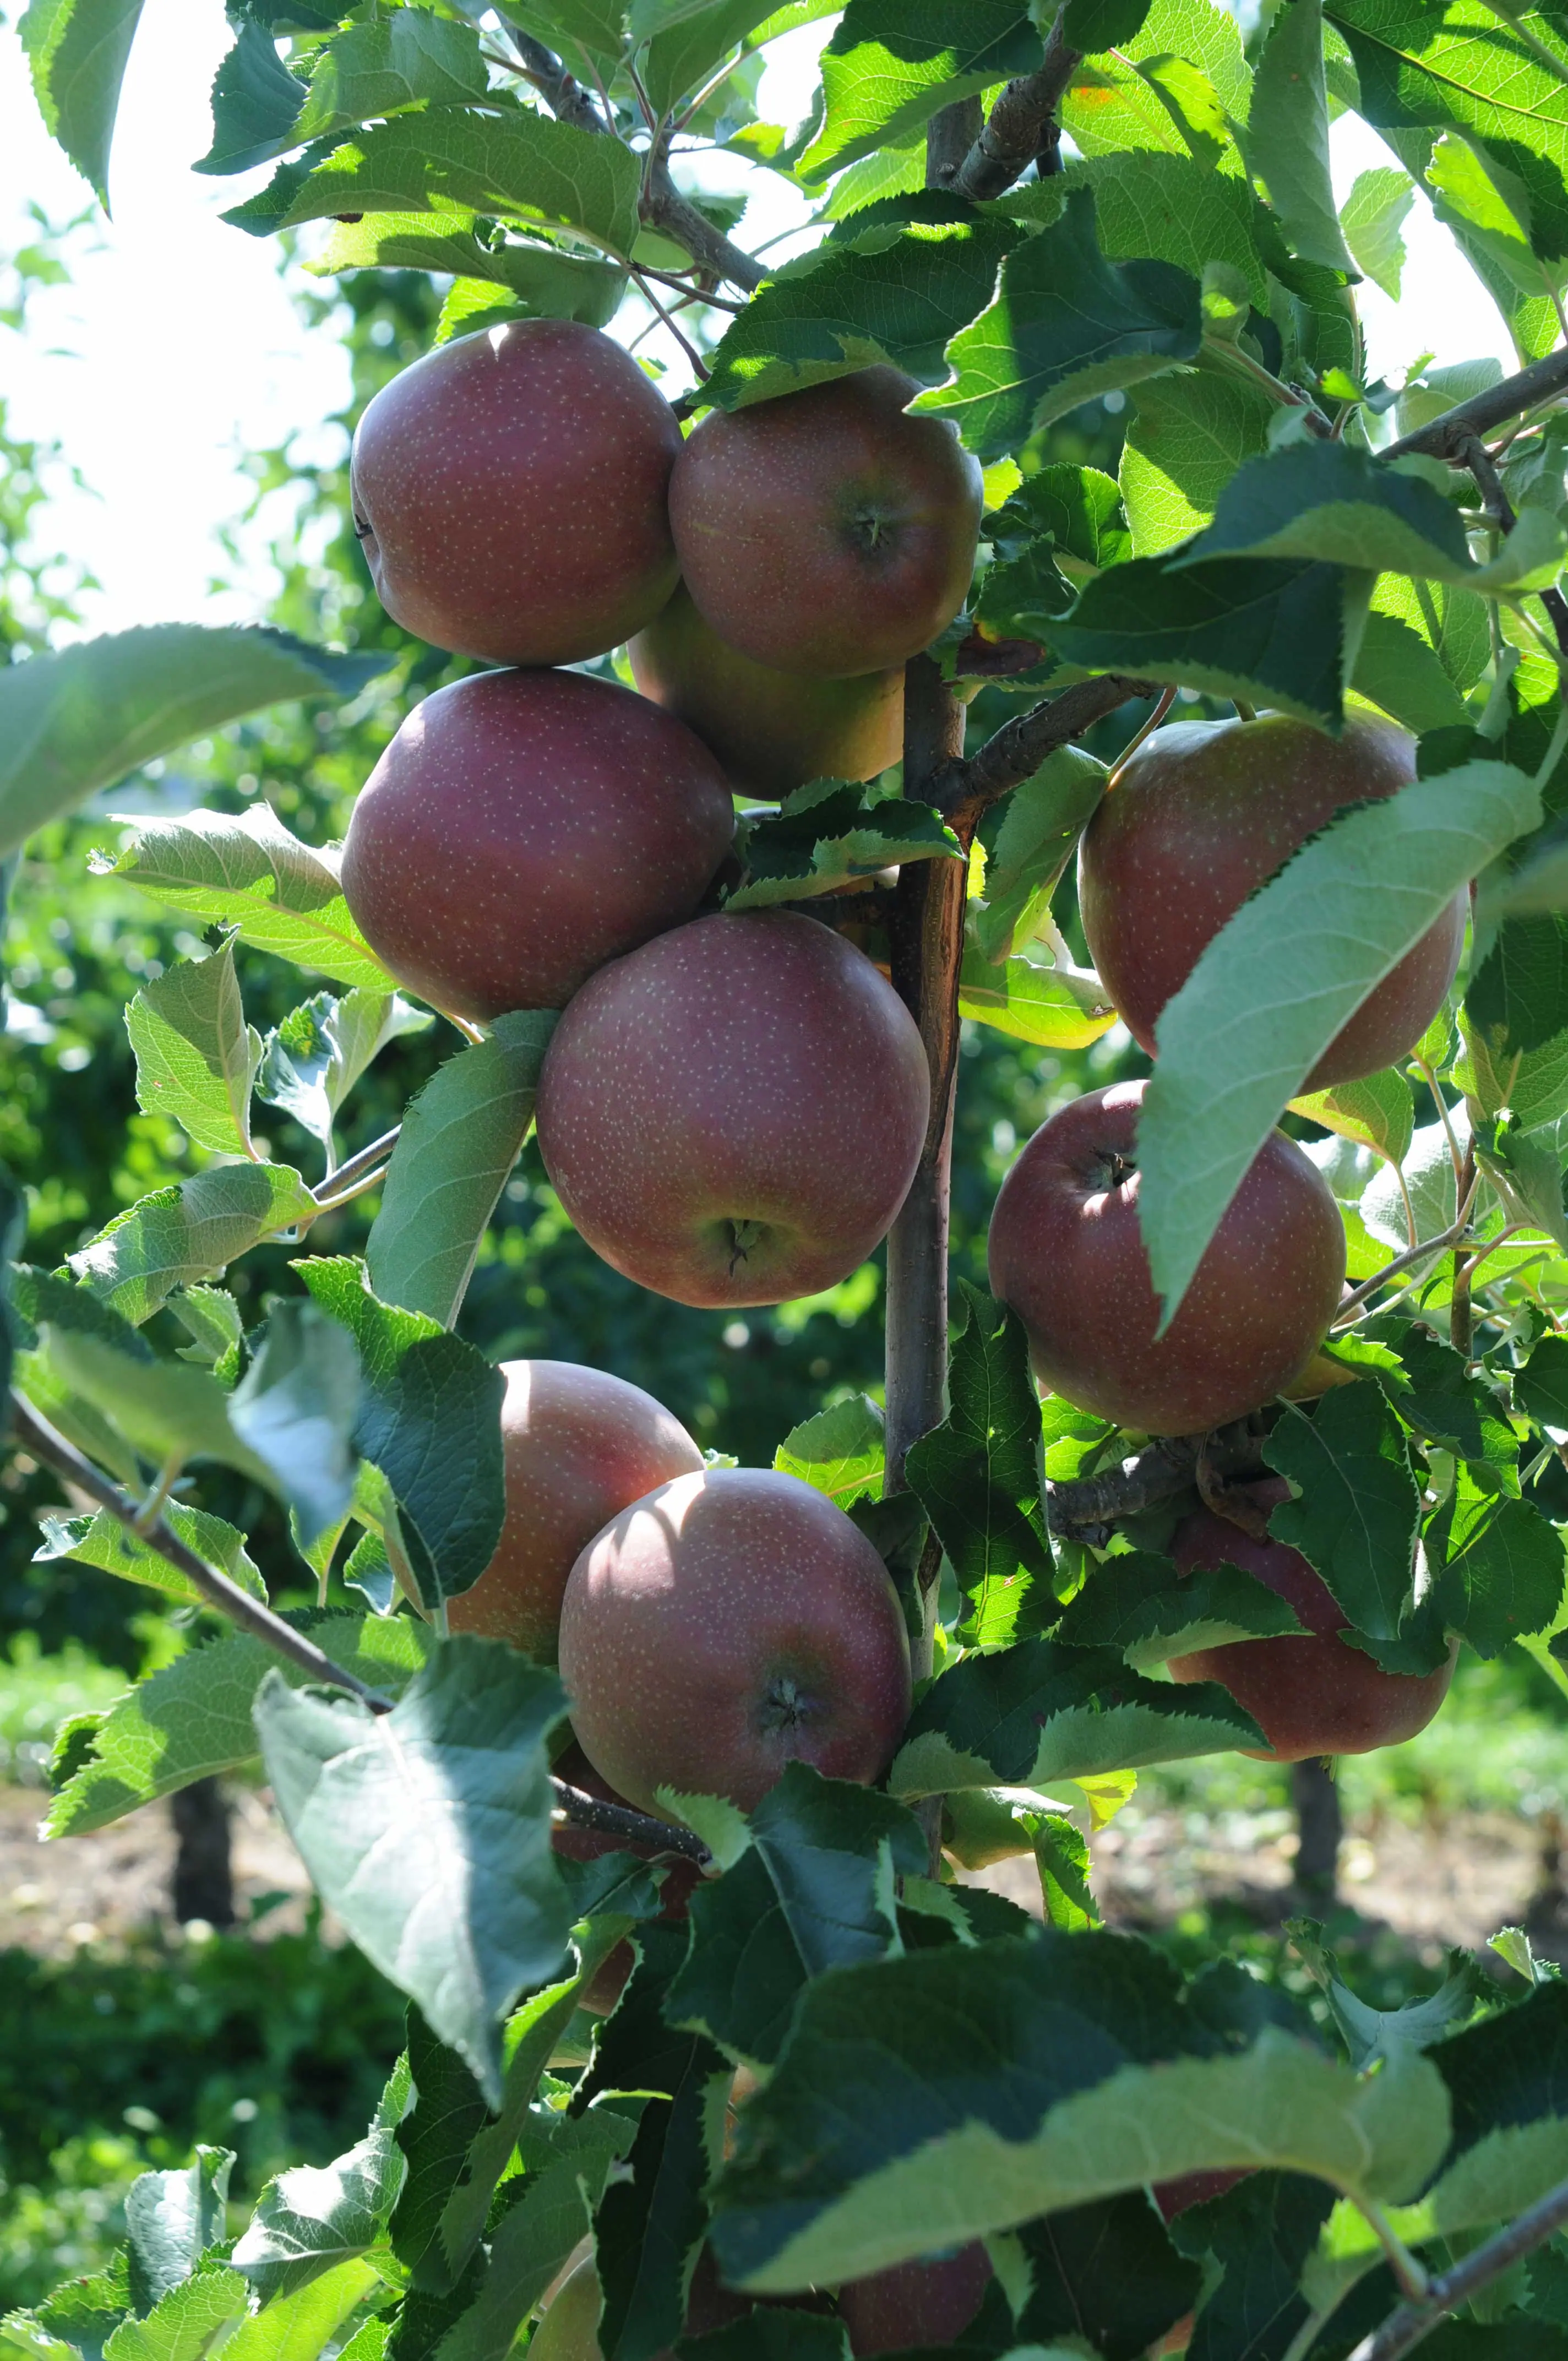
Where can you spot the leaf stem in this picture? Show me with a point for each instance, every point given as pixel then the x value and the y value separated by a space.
pixel 1144 729
pixel 345 1182
pixel 1415 2320
pixel 1427 1246
pixel 1409 2273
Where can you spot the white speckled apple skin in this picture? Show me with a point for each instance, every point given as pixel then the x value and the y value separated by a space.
pixel 511 491
pixel 728 1625
pixel 1067 1253
pixel 579 1444
pixel 752 1069
pixel 827 533
pixel 524 827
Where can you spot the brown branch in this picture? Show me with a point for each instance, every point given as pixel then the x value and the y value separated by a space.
pixel 961 790
pixel 1414 2321
pixel 1461 1321
pixel 1021 122
pixel 582 1810
pixel 663 207
pixel 1474 455
pixel 949 135
pixel 562 91
pixel 36 1436
pixel 354 1168
pixel 1086 1510
pixel 1446 436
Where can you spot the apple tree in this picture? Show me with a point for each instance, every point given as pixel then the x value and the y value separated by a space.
pixel 649 1780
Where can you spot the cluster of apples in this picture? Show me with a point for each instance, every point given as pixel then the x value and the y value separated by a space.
pixel 1199 816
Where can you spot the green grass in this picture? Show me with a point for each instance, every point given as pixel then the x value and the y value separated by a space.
pixel 38 1693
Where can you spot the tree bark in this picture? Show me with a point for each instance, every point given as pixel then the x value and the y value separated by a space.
pixel 1315 1792
pixel 204 1868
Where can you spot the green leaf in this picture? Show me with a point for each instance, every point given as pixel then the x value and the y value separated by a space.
pixel 308 2322
pixel 894 294
pixel 1094 25
pixel 192 1719
pixel 1396 665
pixel 813 1892
pixel 248 872
pixel 1431 1387
pixel 1266 630
pixel 1420 66
pixel 101 1541
pixel 460 1139
pixel 839 1451
pixel 1372 218
pixel 1497 1563
pixel 427 1829
pixel 1040 1712
pixel 650 2227
pixel 1190 433
pixel 868 2137
pixel 256 104
pixel 315 2219
pixel 171 2218
pixel 534 279
pixel 77 50
pixel 1378 1113
pixel 1107 2272
pixel 1378 2037
pixel 1139 1603
pixel 1055 1007
pixel 1256 2237
pixel 430 1419
pixel 1518 996
pixel 892 63
pixel 567 2161
pixel 1355 1518
pixel 1170 206
pixel 405 59
pixel 981 1476
pixel 522 166
pixel 211 1318
pixel 1326 500
pixel 192 1231
pixel 682 54
pixel 1287 136
pixel 312 1062
pixel 192 2320
pixel 78 721
pixel 1276 984
pixel 1065 324
pixel 196 1056
pixel 85 2311
pixel 1540 1387
pixel 826 833
pixel 1043 821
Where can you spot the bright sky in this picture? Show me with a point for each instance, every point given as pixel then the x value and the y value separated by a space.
pixel 176 348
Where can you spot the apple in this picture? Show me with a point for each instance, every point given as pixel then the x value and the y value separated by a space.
pixel 568 2327
pixel 578 1446
pixel 524 827
pixel 827 533
pixel 1066 1254
pixel 730 1624
pixel 1318 1695
pixel 931 2302
pixel 1200 815
pixel 512 493
pixel 771 730
pixel 682 1877
pixel 733 1114
pixel 1189 2189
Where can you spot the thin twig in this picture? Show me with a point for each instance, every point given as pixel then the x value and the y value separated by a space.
pixel 50 1448
pixel 1427 1246
pixel 684 342
pixel 363 1160
pixel 1086 1508
pixel 1414 2321
pixel 1459 1318
pixel 1144 729
pixel 662 206
pixel 963 790
pixel 334 1204
pixel 1016 130
pixel 1445 437
pixel 582 1810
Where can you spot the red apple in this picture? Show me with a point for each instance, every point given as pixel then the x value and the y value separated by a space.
pixel 511 492
pixel 682 1877
pixel 734 1113
pixel 568 2326
pixel 931 2302
pixel 524 827
pixel 579 1447
pixel 771 730
pixel 728 1625
pixel 1201 814
pixel 1318 1695
pixel 1066 1254
pixel 827 533
pixel 1189 2189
